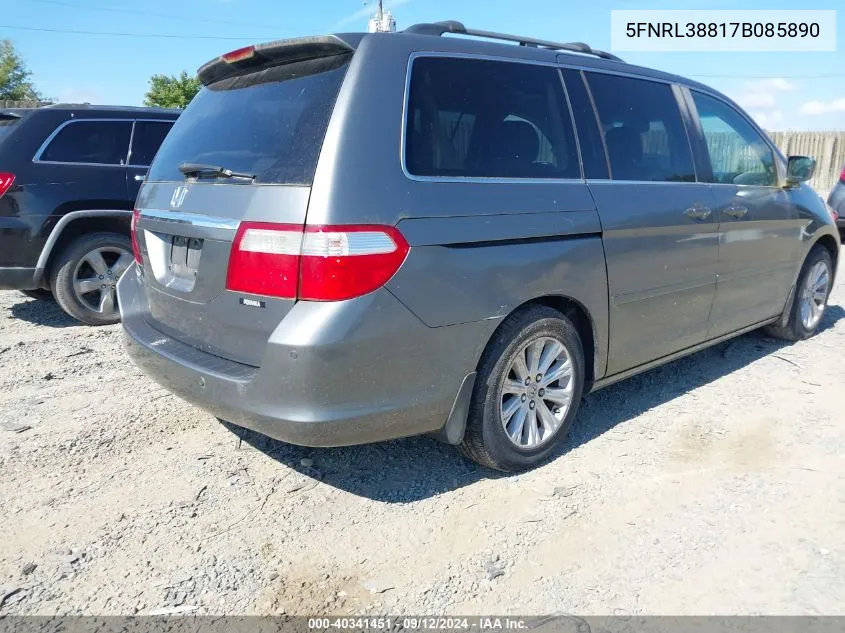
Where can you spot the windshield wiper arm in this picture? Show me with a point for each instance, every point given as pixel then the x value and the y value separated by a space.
pixel 201 169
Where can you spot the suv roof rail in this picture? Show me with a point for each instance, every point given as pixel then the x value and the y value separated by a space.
pixel 453 26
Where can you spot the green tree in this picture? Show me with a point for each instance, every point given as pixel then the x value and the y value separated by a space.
pixel 167 91
pixel 15 84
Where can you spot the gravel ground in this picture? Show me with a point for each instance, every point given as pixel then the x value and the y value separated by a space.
pixel 712 485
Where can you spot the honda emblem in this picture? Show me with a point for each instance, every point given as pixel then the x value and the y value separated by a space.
pixel 178 197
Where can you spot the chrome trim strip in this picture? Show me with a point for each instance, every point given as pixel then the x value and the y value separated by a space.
pixel 603 181
pixel 193 219
pixel 131 140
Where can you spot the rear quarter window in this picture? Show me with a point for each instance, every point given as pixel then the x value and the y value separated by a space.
pixel 488 119
pixel 270 123
pixel 91 142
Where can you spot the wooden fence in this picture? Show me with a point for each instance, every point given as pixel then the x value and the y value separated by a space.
pixel 828 148
pixel 19 104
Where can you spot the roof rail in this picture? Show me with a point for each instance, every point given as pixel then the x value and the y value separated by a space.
pixel 452 26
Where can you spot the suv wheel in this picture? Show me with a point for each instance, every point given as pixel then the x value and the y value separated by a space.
pixel 527 392
pixel 85 274
pixel 811 294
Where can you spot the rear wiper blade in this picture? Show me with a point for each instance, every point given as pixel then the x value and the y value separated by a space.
pixel 201 169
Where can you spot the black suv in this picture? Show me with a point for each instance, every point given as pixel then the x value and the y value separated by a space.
pixel 69 175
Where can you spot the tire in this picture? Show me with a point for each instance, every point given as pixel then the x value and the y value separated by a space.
pixel 486 440
pixel 816 274
pixel 38 294
pixel 84 284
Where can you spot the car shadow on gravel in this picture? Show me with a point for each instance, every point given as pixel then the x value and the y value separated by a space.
pixel 42 312
pixel 398 471
pixel 618 403
pixel 417 468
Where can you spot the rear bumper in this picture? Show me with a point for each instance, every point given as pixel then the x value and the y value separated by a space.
pixel 333 374
pixel 17 279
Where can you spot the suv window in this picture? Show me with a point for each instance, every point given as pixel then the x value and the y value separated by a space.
pixel 146 139
pixel 7 124
pixel 643 130
pixel 488 119
pixel 270 122
pixel 100 142
pixel 738 154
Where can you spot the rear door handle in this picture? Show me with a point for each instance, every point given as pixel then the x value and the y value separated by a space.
pixel 139 177
pixel 735 212
pixel 698 213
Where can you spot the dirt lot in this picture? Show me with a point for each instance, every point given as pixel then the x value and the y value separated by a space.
pixel 715 484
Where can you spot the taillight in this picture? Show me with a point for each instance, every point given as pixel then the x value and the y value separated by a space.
pixel 133 233
pixel 6 180
pixel 265 259
pixel 321 263
pixel 341 262
pixel 842 175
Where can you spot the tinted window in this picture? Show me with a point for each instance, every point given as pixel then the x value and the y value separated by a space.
pixel 589 135
pixel 270 123
pixel 146 139
pixel 488 119
pixel 7 124
pixel 101 142
pixel 738 154
pixel 643 129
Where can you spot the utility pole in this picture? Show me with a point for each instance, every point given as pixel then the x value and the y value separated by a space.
pixel 382 21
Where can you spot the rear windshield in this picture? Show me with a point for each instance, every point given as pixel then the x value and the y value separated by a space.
pixel 270 123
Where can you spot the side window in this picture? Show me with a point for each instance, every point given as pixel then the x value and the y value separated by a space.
pixel 643 130
pixel 589 135
pixel 488 119
pixel 738 154
pixel 101 142
pixel 146 140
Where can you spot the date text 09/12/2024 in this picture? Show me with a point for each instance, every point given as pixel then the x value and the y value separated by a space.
pixel 423 623
pixel 722 29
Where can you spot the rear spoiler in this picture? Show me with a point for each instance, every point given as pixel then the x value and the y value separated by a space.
pixel 273 54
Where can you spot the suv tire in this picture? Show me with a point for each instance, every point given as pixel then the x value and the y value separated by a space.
pixel 84 275
pixel 512 424
pixel 811 294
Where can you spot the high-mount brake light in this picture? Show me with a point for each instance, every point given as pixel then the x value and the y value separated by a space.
pixel 317 263
pixel 239 54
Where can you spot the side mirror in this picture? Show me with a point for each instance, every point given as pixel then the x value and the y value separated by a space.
pixel 799 169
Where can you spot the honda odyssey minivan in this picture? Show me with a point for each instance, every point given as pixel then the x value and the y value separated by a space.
pixel 359 237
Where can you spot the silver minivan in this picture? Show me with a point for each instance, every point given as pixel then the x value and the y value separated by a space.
pixel 359 237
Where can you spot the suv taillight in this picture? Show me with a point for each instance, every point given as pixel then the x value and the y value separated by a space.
pixel 133 233
pixel 319 263
pixel 842 175
pixel 6 180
